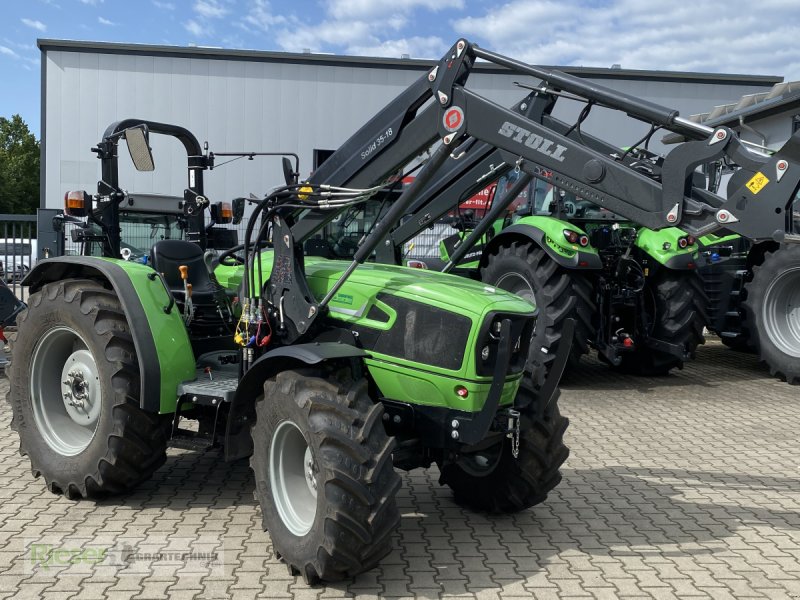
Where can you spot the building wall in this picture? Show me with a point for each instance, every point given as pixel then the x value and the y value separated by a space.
pixel 250 105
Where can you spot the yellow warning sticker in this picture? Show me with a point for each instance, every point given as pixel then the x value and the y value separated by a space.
pixel 757 183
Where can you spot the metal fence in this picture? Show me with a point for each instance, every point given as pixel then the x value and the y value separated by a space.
pixel 18 249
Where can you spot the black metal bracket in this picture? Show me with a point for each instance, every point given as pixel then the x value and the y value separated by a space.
pixel 473 430
pixel 288 291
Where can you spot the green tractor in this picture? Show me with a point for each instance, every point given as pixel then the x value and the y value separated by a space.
pixel 328 374
pixel 634 293
pixel 754 299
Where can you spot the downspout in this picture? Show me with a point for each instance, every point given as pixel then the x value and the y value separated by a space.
pixel 752 130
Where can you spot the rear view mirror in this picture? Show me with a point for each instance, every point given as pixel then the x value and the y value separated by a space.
pixel 139 147
pixel 289 175
pixel 238 210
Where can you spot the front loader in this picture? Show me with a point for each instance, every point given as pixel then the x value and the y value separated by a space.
pixel 328 374
pixel 634 291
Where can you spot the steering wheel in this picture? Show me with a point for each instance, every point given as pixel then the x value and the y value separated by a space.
pixel 231 256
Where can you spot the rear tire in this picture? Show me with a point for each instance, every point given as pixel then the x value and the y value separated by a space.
pixel 75 331
pixel 678 303
pixel 324 475
pixel 772 312
pixel 558 293
pixel 494 481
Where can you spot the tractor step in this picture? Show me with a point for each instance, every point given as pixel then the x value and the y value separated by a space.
pixel 205 390
pixel 190 440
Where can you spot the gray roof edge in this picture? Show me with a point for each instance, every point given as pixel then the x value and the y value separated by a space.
pixel 760 110
pixel 47 44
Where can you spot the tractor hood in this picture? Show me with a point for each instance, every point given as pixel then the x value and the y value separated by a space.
pixel 449 292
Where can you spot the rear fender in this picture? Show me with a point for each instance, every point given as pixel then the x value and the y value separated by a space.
pixel 238 443
pixel 162 345
pixel 548 234
pixel 662 247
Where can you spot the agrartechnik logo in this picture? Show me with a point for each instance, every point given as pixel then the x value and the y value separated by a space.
pixel 197 556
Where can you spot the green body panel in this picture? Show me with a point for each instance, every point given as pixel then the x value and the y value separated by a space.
pixel 713 240
pixel 554 234
pixel 421 387
pixel 169 333
pixel 399 378
pixel 497 227
pixel 652 242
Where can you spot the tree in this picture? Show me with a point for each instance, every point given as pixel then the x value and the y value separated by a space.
pixel 19 167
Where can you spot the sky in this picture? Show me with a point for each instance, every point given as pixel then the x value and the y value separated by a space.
pixel 730 36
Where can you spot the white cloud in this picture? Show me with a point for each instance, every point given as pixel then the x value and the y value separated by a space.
pixel 642 36
pixel 261 17
pixel 368 9
pixel 37 25
pixel 415 47
pixel 318 38
pixel 210 9
pixel 196 29
pixel 92 2
pixel 103 21
pixel 368 27
pixel 163 5
pixel 6 51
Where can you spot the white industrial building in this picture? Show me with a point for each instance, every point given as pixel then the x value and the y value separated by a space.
pixel 269 101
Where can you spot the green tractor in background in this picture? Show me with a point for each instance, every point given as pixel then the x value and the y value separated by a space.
pixel 634 293
pixel 754 299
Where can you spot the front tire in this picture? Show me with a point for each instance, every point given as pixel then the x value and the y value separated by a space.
pixel 559 294
pixel 496 482
pixel 677 313
pixel 324 475
pixel 772 312
pixel 75 393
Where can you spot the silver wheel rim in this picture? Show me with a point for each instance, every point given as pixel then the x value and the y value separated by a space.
pixel 481 464
pixel 293 478
pixel 517 284
pixel 781 312
pixel 65 391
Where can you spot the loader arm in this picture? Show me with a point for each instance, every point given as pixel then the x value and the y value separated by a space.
pixel 438 108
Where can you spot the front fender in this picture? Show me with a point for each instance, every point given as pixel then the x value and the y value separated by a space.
pixel 238 443
pixel 162 345
pixel 547 233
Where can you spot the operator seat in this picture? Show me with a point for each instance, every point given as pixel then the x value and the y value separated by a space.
pixel 167 256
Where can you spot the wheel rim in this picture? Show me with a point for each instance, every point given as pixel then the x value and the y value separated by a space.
pixel 781 312
pixel 293 478
pixel 518 284
pixel 66 402
pixel 483 463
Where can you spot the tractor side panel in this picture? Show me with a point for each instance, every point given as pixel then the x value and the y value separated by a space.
pixel 662 246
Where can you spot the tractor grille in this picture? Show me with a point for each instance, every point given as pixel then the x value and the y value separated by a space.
pixel 421 333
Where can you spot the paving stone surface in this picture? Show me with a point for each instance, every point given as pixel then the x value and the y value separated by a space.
pixel 686 486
